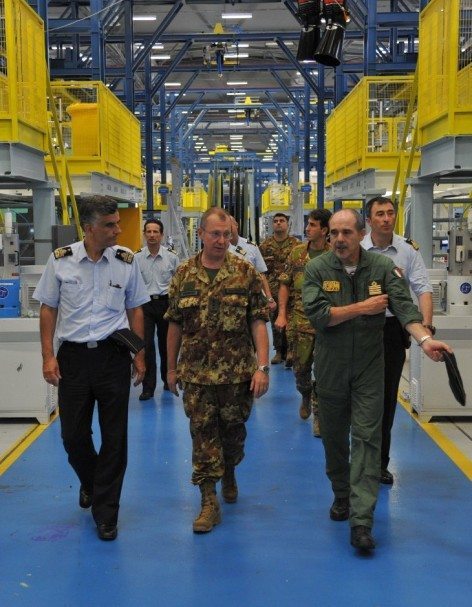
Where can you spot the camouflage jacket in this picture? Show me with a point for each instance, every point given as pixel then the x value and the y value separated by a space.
pixel 293 277
pixel 216 317
pixel 275 255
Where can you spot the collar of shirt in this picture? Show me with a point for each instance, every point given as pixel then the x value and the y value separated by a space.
pixel 369 245
pixel 148 253
pixel 82 254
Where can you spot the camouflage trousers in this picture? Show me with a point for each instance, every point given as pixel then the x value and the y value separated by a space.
pixel 217 416
pixel 303 358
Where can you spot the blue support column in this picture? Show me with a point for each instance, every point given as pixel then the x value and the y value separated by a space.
pixel 96 43
pixel 320 139
pixel 148 136
pixel 370 40
pixel 162 121
pixel 306 150
pixel 129 75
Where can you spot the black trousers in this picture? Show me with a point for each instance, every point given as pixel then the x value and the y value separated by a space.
pixel 154 321
pixel 99 375
pixel 395 353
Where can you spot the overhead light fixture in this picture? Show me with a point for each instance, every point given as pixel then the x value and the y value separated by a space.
pixel 337 17
pixel 275 44
pixel 172 84
pixel 239 45
pixel 157 47
pixel 236 55
pixel 160 57
pixel 144 17
pixel 236 15
pixel 236 82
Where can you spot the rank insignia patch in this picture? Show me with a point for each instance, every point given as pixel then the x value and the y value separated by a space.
pixel 125 256
pixel 375 288
pixel 62 252
pixel 331 286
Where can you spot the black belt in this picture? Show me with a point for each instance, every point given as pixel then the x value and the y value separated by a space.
pixel 159 296
pixel 88 344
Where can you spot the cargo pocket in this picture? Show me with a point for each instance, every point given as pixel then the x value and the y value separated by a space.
pixel 234 313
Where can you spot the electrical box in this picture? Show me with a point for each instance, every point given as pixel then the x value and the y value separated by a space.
pixel 9 297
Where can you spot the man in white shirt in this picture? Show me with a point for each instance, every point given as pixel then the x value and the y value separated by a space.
pixel 158 266
pixel 381 216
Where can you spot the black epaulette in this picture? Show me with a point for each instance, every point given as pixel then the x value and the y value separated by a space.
pixel 62 252
pixel 172 251
pixel 240 250
pixel 414 244
pixel 124 255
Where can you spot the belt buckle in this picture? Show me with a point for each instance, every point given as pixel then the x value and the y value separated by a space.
pixel 92 344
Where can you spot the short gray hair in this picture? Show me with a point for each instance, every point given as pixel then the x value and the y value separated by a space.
pixel 92 207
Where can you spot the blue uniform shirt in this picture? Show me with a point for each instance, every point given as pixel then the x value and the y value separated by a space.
pixel 157 271
pixel 250 253
pixel 92 298
pixel 408 259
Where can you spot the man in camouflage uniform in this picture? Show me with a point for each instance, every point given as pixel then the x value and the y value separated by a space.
pixel 291 281
pixel 217 323
pixel 275 250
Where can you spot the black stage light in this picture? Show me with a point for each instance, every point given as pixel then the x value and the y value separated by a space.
pixel 309 13
pixel 330 46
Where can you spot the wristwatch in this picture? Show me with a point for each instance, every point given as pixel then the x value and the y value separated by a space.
pixel 264 368
pixel 431 328
pixel 271 300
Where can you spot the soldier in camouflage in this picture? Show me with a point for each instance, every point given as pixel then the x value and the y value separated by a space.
pixel 275 250
pixel 303 334
pixel 218 352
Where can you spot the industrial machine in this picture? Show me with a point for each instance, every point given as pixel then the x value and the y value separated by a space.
pixel 430 394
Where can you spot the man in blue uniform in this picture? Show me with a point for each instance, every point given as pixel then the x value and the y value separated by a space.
pixel 381 216
pixel 157 265
pixel 89 291
pixel 345 294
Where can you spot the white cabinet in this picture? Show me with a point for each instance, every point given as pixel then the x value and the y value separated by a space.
pixel 23 391
pixel 430 394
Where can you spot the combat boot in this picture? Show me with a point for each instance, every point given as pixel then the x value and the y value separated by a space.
pixel 305 407
pixel 289 360
pixel 316 426
pixel 277 359
pixel 210 514
pixel 229 487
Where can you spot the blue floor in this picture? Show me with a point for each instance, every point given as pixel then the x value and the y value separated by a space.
pixel 276 546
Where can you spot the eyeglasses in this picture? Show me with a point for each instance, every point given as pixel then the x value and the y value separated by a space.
pixel 215 235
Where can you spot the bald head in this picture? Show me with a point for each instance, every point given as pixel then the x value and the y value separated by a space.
pixel 346 230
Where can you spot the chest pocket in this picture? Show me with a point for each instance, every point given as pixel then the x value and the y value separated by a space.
pixel 233 312
pixel 70 294
pixel 190 308
pixel 115 298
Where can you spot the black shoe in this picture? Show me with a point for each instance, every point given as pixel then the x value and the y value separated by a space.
pixel 107 532
pixel 361 538
pixel 339 510
pixel 145 395
pixel 386 477
pixel 85 498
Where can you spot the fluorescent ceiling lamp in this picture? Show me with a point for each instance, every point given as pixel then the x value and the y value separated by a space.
pixel 236 15
pixel 237 124
pixel 236 93
pixel 236 82
pixel 274 44
pixel 240 45
pixel 157 47
pixel 144 17
pixel 160 57
pixel 172 84
pixel 236 55
pixel 233 111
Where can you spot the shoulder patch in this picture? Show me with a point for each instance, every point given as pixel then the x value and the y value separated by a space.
pixel 414 244
pixel 62 252
pixel 398 272
pixel 172 251
pixel 125 256
pixel 240 250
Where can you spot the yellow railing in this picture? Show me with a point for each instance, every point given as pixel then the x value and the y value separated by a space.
pixel 23 116
pixel 365 130
pixel 445 64
pixel 100 134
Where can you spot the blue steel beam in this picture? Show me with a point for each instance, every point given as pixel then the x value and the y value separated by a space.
pixel 277 105
pixel 274 122
pixel 159 81
pixel 190 110
pixel 96 41
pixel 196 122
pixel 287 91
pixel 181 93
pixel 303 71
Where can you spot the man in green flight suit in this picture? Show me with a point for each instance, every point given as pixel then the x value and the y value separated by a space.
pixel 300 328
pixel 217 324
pixel 345 294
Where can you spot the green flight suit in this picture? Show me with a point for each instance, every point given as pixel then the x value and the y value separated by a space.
pixel 350 370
